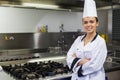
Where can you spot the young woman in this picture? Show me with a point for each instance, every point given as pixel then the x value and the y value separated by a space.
pixel 88 53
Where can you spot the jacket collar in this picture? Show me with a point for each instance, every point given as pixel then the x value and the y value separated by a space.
pixel 93 38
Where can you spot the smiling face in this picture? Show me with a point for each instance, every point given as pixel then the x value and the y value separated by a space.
pixel 90 24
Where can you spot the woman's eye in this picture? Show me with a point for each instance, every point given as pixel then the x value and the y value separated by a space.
pixel 91 21
pixel 85 22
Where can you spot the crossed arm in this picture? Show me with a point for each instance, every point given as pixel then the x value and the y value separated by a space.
pixel 82 61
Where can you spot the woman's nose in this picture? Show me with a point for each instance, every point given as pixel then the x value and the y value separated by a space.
pixel 88 24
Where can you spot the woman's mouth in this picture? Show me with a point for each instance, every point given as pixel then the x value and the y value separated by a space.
pixel 89 28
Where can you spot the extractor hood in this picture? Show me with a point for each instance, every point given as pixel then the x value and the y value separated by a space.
pixel 73 5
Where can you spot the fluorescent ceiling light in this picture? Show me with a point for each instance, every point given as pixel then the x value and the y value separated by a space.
pixel 45 6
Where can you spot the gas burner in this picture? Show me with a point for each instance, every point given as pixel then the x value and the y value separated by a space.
pixel 29 71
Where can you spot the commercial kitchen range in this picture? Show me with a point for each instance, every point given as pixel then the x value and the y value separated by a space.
pixel 48 68
pixel 42 56
pixel 40 70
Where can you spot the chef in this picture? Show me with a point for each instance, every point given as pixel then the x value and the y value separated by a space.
pixel 88 52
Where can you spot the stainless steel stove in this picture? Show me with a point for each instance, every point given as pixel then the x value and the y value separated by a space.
pixel 36 71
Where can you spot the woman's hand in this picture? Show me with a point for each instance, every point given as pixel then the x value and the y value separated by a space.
pixel 83 61
pixel 74 55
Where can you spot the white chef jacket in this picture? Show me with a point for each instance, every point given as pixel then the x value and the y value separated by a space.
pixel 95 50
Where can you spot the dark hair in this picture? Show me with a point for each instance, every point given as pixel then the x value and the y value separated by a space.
pixel 96 19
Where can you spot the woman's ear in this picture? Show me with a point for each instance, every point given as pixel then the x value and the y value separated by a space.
pixel 97 24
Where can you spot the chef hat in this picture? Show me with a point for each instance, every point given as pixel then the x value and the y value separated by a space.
pixel 89 8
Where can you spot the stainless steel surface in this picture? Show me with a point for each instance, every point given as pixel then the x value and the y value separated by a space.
pixel 16 40
pixel 27 46
pixel 111 66
pixel 42 40
pixel 113 75
pixel 63 4
pixel 114 51
pixel 60 59
pixel 110 25
pixel 21 59
pixel 12 41
pixel 50 56
pixel 108 66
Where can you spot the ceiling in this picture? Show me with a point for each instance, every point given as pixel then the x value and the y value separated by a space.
pixel 63 4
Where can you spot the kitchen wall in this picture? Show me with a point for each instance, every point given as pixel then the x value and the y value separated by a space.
pixel 20 20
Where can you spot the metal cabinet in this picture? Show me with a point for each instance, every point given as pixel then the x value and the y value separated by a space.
pixel 114 75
